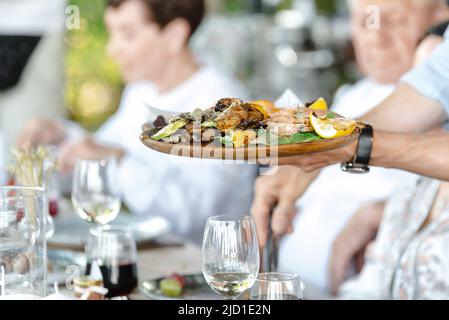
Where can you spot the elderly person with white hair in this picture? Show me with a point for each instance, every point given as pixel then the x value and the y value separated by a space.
pixel 384 53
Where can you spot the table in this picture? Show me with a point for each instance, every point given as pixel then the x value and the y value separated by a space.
pixel 163 261
pixel 169 254
pixel 160 258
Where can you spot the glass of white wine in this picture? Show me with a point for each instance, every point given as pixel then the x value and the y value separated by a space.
pixel 95 191
pixel 230 255
pixel 277 286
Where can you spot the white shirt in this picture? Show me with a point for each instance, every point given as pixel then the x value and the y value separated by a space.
pixel 185 191
pixel 332 199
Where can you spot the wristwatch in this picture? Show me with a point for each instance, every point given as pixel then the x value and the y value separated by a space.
pixel 359 164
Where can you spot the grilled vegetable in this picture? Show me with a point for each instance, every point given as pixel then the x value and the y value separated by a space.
pixel 209 124
pixel 169 130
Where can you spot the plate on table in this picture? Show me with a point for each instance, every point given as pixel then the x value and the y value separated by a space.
pixel 62 264
pixel 195 288
pixel 72 232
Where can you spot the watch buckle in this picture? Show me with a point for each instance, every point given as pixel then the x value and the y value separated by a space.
pixel 356 168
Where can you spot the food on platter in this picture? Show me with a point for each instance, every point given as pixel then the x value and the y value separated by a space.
pixel 232 122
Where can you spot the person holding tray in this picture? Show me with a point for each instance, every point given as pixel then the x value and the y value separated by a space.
pixel 402 141
pixel 334 197
pixel 149 40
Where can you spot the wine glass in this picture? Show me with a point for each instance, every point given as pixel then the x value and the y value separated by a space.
pixel 95 191
pixel 230 255
pixel 111 253
pixel 277 286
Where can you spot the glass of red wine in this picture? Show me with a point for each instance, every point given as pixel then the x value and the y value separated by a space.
pixel 113 250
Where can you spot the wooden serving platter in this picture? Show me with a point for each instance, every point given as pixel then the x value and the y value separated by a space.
pixel 252 153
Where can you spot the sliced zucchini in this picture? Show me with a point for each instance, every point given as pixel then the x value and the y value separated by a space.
pixel 169 130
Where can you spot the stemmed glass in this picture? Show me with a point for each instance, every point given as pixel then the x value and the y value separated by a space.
pixel 230 255
pixel 95 191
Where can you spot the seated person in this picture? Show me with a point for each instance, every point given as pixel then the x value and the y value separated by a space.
pixel 363 226
pixel 149 40
pixel 408 259
pixel 325 207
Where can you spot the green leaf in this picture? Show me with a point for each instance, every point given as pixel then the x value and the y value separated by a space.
pixel 330 115
pixel 300 137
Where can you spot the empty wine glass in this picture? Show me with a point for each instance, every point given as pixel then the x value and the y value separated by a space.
pixel 95 192
pixel 230 255
pixel 277 286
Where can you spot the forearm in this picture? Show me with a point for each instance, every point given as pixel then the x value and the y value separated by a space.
pixel 427 155
pixel 406 110
pixel 372 214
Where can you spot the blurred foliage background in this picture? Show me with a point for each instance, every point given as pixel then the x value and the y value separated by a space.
pixel 93 83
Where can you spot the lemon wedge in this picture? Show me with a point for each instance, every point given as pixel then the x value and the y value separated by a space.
pixel 319 104
pixel 332 128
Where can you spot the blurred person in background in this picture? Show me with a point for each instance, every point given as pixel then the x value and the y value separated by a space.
pixel 31 40
pixel 149 39
pixel 408 259
pixel 425 229
pixel 383 56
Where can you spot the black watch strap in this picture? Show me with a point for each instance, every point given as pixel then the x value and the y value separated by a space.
pixel 363 154
pixel 365 146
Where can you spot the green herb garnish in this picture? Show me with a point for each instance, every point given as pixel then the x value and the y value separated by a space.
pixel 330 115
pixel 300 137
pixel 227 141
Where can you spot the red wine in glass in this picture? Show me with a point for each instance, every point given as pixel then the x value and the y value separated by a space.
pixel 119 279
pixel 53 207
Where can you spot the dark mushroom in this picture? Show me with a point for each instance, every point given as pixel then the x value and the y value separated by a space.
pixel 160 122
pixel 224 104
